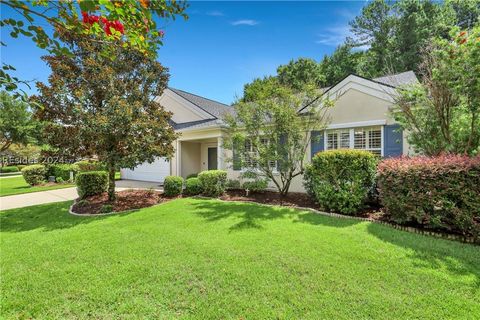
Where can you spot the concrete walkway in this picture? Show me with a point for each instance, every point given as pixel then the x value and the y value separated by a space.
pixel 42 197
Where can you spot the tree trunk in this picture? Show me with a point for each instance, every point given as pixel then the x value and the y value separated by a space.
pixel 111 181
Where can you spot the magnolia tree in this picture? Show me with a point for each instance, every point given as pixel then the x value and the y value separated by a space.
pixel 442 112
pixel 43 21
pixel 96 106
pixel 270 132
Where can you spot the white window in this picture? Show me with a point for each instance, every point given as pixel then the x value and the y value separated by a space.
pixel 366 138
pixel 251 156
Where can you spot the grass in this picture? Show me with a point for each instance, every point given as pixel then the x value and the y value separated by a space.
pixel 206 259
pixel 17 185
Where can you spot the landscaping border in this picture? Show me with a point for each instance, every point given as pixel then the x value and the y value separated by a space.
pixel 446 236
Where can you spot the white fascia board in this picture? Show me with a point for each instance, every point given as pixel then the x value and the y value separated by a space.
pixel 357 124
pixel 372 88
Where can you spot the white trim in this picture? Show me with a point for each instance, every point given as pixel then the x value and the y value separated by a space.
pixel 184 102
pixel 357 124
pixel 363 85
pixel 382 140
pixel 217 126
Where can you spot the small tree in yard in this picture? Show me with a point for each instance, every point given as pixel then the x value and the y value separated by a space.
pixel 270 133
pixel 442 113
pixel 98 106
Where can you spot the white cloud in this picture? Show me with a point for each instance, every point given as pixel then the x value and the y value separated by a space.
pixel 215 13
pixel 246 22
pixel 334 36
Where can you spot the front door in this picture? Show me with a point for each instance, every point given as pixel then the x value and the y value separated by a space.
pixel 212 158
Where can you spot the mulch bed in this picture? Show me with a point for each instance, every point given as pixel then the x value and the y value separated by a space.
pixel 293 199
pixel 126 200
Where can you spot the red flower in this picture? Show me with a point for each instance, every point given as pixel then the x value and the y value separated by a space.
pixel 85 17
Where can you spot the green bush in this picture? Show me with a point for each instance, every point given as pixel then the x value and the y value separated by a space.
pixel 233 184
pixel 59 180
pixel 213 182
pixel 438 192
pixel 193 187
pixel 9 169
pixel 106 208
pixel 254 182
pixel 172 186
pixel 90 165
pixel 91 183
pixel 192 175
pixel 341 180
pixel 255 186
pixel 62 170
pixel 21 166
pixel 34 174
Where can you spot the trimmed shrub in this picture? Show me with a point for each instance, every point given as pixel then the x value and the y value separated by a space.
pixel 213 182
pixel 233 184
pixel 62 170
pixel 341 180
pixel 438 192
pixel 34 174
pixel 90 165
pixel 192 187
pixel 21 166
pixel 192 175
pixel 9 169
pixel 172 186
pixel 59 180
pixel 91 183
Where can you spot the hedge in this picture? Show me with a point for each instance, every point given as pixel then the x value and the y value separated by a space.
pixel 90 165
pixel 9 169
pixel 193 187
pixel 91 183
pixel 172 186
pixel 341 180
pixel 213 182
pixel 34 174
pixel 62 170
pixel 439 192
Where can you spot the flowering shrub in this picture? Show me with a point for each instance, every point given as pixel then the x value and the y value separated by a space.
pixel 439 192
pixel 341 180
pixel 107 24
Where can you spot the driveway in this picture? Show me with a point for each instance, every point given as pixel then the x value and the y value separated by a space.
pixel 42 197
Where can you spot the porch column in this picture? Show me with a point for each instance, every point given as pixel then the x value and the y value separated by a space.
pixel 220 153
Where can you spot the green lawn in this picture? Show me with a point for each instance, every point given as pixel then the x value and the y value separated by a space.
pixel 17 185
pixel 206 259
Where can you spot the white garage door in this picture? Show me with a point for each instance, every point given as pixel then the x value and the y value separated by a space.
pixel 155 171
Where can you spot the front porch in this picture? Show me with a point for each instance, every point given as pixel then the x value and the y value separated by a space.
pixel 194 155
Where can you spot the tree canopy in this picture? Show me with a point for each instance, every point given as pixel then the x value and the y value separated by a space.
pixel 96 106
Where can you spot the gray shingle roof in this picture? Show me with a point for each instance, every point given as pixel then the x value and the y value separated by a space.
pixel 215 108
pixel 197 124
pixel 399 79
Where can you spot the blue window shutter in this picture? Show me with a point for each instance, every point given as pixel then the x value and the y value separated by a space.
pixel 393 141
pixel 317 144
pixel 237 161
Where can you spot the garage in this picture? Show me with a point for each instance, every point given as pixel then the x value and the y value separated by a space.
pixel 155 171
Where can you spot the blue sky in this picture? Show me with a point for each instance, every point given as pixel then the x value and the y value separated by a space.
pixel 224 45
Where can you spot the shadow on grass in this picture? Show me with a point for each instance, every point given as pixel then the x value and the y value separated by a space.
pixel 48 217
pixel 430 253
pixel 252 215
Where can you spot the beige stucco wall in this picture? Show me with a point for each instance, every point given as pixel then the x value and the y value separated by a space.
pixel 180 112
pixel 190 158
pixel 355 106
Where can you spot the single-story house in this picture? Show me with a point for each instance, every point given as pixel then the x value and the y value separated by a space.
pixel 360 119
